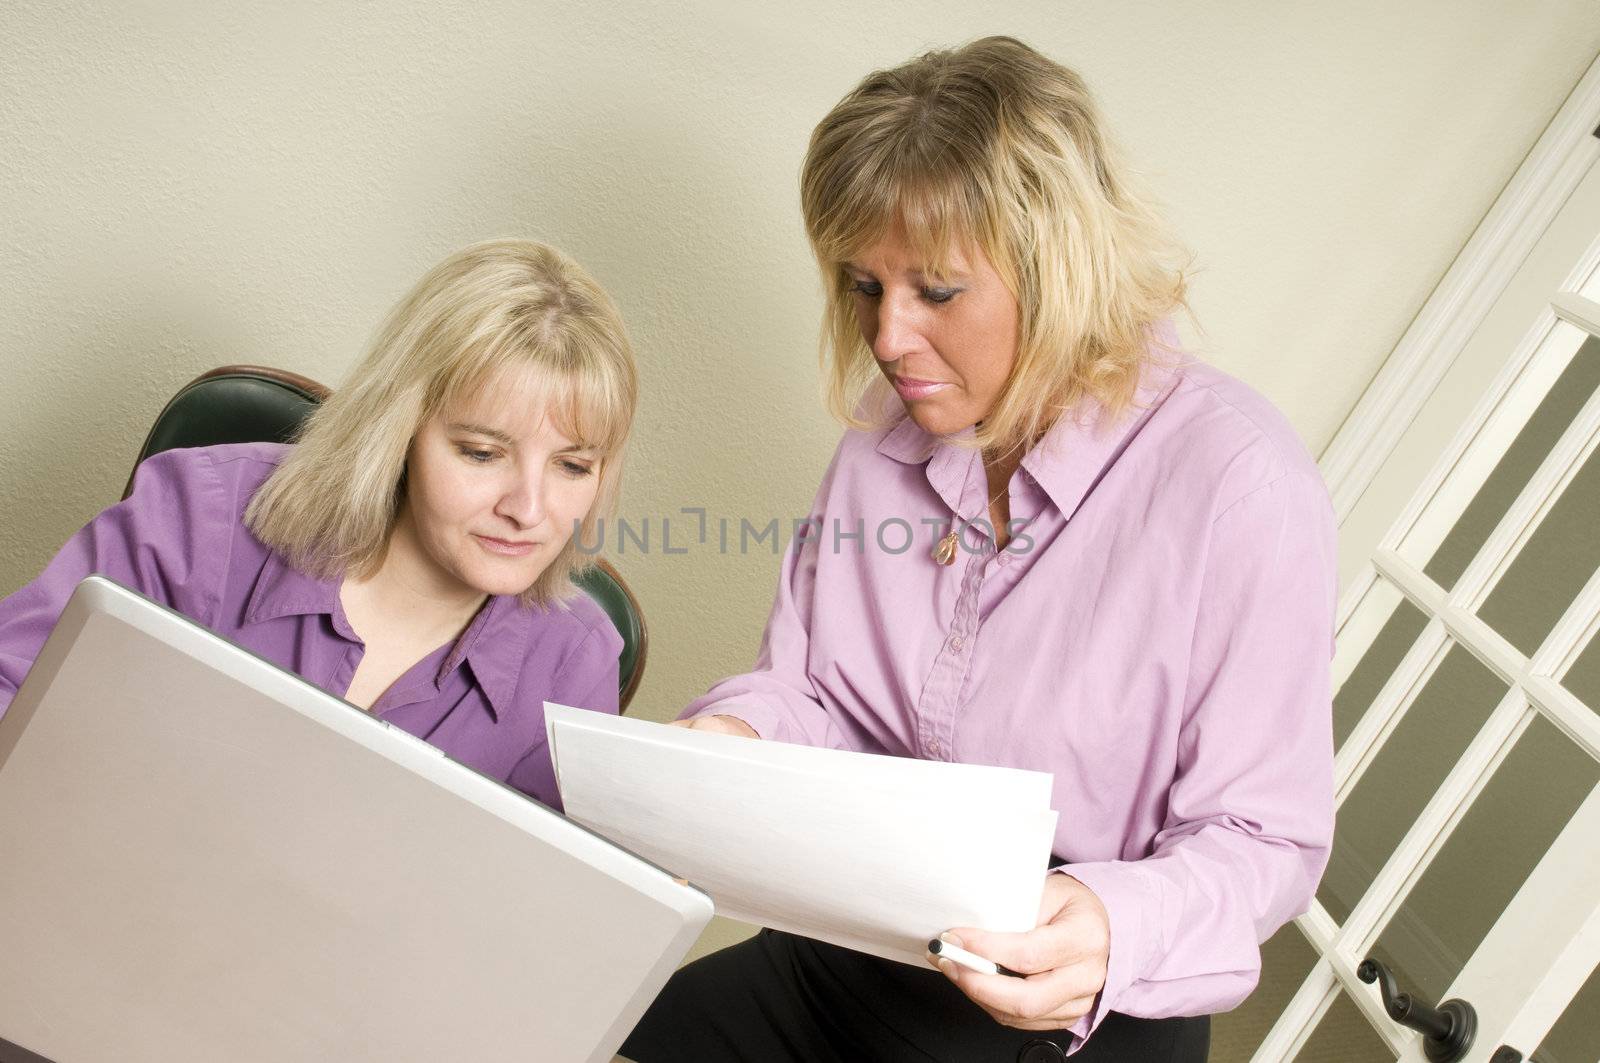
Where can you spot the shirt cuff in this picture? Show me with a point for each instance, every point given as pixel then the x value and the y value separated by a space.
pixel 1124 890
pixel 765 721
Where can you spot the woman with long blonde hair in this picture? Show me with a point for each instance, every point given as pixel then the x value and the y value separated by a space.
pixel 1122 573
pixel 413 551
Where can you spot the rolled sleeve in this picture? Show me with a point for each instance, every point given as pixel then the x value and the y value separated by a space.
pixel 168 540
pixel 1250 813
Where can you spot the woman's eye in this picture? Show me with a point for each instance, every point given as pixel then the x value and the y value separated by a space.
pixel 939 295
pixel 576 469
pixel 870 289
pixel 477 455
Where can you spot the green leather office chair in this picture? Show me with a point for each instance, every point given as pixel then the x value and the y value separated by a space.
pixel 251 403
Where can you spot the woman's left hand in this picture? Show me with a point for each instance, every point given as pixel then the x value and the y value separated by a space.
pixel 1064 959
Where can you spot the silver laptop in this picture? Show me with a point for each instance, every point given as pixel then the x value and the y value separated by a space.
pixel 203 857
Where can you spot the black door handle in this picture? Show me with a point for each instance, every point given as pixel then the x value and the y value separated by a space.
pixel 1447 1030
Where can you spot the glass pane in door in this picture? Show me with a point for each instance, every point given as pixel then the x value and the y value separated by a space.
pixel 1503 836
pixel 1286 959
pixel 1554 564
pixel 1575 1038
pixel 1344 1036
pixel 1583 678
pixel 1533 443
pixel 1382 657
pixel 1427 742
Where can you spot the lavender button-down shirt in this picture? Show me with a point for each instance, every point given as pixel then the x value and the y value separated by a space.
pixel 1158 637
pixel 180 539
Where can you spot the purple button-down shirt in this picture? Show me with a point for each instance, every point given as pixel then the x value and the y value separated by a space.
pixel 180 539
pixel 1158 637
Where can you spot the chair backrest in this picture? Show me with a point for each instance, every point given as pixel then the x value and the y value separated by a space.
pixel 250 404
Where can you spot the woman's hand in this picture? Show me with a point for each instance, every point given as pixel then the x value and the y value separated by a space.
pixel 1064 959
pixel 722 725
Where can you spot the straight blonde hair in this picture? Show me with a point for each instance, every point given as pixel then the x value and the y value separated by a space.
pixel 995 146
pixel 495 307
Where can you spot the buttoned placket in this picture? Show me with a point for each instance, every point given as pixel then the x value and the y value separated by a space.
pixel 947 679
pixel 947 682
pixel 942 691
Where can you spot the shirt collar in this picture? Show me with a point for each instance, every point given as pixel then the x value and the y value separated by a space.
pixel 1066 463
pixel 494 644
pixel 284 590
pixel 949 461
pixel 1079 447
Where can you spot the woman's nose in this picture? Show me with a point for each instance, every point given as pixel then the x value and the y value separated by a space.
pixel 524 501
pixel 893 334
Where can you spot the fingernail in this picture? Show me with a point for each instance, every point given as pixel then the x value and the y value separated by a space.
pixel 951 939
pixel 947 969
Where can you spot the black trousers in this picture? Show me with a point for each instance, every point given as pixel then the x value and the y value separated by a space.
pixel 778 998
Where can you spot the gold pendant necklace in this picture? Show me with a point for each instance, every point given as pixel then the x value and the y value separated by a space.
pixel 944 552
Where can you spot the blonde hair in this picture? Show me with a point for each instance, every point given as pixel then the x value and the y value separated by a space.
pixel 495 306
pixel 994 145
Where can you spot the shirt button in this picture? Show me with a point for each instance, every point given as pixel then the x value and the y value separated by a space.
pixel 1040 1052
pixel 933 746
pixel 956 644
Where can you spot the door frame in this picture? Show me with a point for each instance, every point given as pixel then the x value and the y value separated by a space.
pixel 1388 442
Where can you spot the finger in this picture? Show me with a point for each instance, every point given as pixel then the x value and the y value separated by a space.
pixel 1044 948
pixel 1002 1001
pixel 1067 1018
pixel 1039 1002
pixel 1049 1024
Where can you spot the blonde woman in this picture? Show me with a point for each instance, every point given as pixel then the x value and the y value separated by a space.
pixel 1049 541
pixel 413 552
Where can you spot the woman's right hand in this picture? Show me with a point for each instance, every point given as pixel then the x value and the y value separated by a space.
pixel 720 724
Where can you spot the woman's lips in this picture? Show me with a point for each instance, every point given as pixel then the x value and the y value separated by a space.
pixel 505 547
pixel 911 389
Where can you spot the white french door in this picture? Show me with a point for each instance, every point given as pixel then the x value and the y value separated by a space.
pixel 1467 705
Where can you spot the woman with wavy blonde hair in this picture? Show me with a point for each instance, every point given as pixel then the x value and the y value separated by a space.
pixel 1124 577
pixel 413 551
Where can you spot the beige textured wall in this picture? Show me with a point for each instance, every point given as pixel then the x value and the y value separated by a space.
pixel 185 184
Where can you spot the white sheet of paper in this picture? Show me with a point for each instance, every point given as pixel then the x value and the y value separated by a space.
pixel 874 853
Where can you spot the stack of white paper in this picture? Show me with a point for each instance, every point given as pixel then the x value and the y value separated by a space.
pixel 874 853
